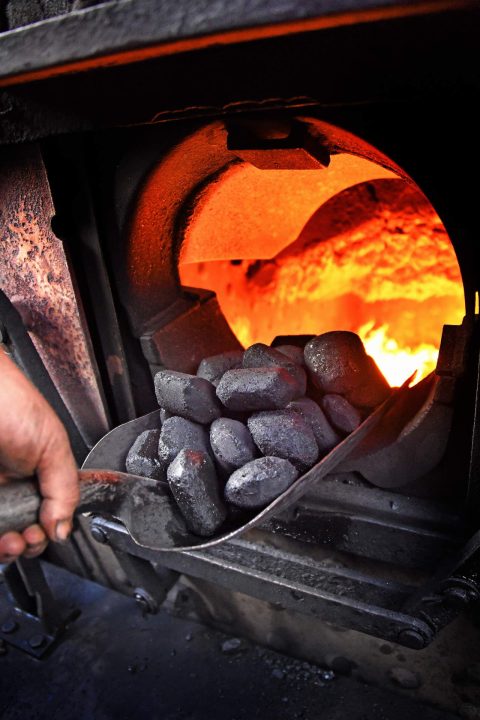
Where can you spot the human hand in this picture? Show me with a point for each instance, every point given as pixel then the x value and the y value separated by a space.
pixel 33 440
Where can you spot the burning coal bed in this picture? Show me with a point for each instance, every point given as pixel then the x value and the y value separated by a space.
pixel 239 432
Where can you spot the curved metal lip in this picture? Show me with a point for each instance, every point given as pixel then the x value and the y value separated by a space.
pixel 112 449
pixel 119 33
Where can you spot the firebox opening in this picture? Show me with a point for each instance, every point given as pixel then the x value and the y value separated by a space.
pixel 352 247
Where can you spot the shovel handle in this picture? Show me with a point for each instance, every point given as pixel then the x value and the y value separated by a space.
pixel 19 505
pixel 20 500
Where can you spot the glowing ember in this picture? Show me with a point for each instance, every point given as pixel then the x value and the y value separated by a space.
pixel 397 363
pixel 375 260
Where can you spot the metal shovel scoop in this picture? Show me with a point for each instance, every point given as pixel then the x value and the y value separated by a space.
pixel 147 508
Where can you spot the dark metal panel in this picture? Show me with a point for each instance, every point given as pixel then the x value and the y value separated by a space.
pixel 78 226
pixel 372 523
pixel 115 663
pixel 113 28
pixel 346 598
pixel 417 59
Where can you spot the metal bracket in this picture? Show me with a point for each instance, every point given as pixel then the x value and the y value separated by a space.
pixel 292 582
pixel 452 589
pixel 275 564
pixel 275 143
pixel 30 617
pixel 149 585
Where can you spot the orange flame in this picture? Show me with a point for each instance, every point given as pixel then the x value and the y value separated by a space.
pixel 397 363
pixel 376 263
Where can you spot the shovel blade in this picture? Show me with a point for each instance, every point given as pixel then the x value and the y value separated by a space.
pixel 151 516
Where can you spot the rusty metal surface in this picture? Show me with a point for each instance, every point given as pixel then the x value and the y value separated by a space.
pixel 184 336
pixel 34 275
pixel 146 260
pixel 18 344
pixel 287 146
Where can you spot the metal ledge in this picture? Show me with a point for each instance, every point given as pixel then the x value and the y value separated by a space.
pixel 115 33
pixel 330 593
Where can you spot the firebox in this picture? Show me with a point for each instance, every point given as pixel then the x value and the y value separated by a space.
pixel 181 189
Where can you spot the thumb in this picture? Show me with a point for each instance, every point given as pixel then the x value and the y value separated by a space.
pixel 58 481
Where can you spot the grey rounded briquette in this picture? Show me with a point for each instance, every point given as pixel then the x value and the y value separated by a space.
pixel 194 484
pixel 343 416
pixel 259 482
pixel 260 355
pixel 212 368
pixel 293 352
pixel 338 363
pixel 325 435
pixel 373 391
pixel 186 395
pixel 177 434
pixel 232 444
pixel 142 458
pixel 265 388
pixel 284 434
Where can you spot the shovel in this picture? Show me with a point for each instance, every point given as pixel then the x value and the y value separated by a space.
pixel 146 507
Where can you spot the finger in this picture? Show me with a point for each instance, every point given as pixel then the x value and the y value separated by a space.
pixel 58 481
pixel 35 550
pixel 12 544
pixel 34 535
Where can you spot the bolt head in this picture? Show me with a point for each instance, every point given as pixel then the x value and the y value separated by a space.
pixel 9 626
pixel 457 597
pixel 36 641
pixel 145 601
pixel 412 638
pixel 98 534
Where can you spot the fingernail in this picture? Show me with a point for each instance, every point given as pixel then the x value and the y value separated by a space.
pixel 63 530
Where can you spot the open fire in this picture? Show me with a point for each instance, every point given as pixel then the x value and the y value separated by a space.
pixel 397 363
pixel 375 259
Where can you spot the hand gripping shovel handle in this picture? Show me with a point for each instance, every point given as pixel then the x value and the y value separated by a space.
pixel 20 500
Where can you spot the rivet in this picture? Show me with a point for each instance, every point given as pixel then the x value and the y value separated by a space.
pixel 9 626
pixel 36 641
pixel 412 639
pixel 98 534
pixel 457 597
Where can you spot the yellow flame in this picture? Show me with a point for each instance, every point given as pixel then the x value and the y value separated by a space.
pixel 397 363
pixel 242 328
